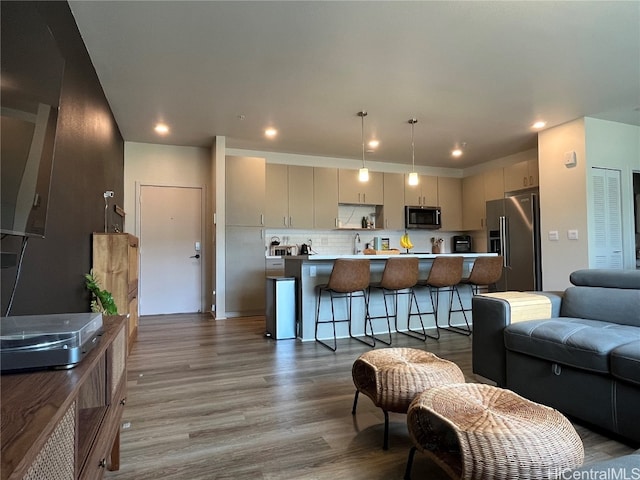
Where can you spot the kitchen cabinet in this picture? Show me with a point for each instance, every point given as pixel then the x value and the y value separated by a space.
pixel 477 190
pixel 473 202
pixel 325 197
pixel 450 201
pixel 423 194
pixel 276 210
pixel 493 184
pixel 300 197
pixel 65 424
pixel 115 265
pixel 245 191
pixel 353 191
pixel 393 206
pixel 245 271
pixel 288 189
pixel 521 175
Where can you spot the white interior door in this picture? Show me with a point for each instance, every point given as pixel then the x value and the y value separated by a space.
pixel 170 254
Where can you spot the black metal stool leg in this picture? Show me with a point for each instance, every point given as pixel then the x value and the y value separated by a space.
pixel 355 403
pixel 385 445
pixel 407 472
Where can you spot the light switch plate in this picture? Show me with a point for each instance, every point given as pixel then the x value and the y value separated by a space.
pixel 572 234
pixel 553 235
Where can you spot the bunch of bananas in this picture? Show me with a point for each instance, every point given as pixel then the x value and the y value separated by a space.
pixel 405 241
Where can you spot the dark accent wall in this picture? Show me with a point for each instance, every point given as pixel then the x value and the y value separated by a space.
pixel 88 160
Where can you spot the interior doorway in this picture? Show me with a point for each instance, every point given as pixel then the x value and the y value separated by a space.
pixel 171 262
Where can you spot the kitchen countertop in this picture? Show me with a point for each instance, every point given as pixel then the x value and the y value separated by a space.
pixel 317 257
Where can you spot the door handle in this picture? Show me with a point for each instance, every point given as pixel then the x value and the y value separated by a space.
pixel 197 255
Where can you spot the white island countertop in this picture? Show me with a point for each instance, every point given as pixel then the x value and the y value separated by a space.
pixel 316 257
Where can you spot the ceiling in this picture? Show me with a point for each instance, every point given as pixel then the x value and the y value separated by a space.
pixel 475 72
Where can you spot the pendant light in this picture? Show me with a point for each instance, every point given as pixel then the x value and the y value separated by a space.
pixel 363 173
pixel 413 176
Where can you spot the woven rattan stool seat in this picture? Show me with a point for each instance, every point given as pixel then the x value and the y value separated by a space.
pixel 392 377
pixel 476 431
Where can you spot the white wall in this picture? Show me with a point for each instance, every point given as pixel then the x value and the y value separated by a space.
pixel 565 193
pixel 616 146
pixel 166 165
pixel 563 198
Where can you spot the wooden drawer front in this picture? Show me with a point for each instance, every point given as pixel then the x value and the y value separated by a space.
pixel 56 460
pixel 118 360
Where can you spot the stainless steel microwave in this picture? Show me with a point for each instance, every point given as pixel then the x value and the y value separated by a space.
pixel 427 218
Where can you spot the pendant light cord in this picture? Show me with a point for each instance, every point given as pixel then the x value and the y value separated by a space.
pixel 362 114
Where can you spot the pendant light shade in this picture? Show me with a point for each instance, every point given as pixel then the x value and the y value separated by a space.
pixel 413 176
pixel 363 173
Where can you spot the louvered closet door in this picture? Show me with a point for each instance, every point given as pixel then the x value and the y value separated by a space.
pixel 607 219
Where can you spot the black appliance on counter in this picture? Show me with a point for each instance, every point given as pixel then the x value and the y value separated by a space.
pixel 461 244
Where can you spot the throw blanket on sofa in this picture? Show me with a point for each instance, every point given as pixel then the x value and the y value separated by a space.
pixel 524 306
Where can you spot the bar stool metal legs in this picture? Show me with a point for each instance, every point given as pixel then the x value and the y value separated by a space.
pixel 349 278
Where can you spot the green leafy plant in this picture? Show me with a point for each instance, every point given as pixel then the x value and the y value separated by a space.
pixel 101 300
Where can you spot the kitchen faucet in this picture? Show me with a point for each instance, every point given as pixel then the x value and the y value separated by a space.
pixel 356 241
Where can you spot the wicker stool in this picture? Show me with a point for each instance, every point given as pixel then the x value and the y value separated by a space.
pixel 392 377
pixel 476 431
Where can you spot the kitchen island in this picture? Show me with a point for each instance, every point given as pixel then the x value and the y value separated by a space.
pixel 312 270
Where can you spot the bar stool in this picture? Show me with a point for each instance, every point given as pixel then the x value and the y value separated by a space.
pixel 444 276
pixel 349 278
pixel 399 277
pixel 486 272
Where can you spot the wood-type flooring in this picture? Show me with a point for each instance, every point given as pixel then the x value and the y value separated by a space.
pixel 216 399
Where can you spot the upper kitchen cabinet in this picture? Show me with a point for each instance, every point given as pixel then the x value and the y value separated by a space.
pixel 245 191
pixel 450 201
pixel 423 194
pixel 325 197
pixel 521 175
pixel 276 210
pixel 473 202
pixel 300 197
pixel 477 190
pixel 353 191
pixel 393 207
pixel 494 184
pixel 288 189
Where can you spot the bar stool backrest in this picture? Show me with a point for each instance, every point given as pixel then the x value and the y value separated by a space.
pixel 445 272
pixel 400 273
pixel 349 275
pixel 486 271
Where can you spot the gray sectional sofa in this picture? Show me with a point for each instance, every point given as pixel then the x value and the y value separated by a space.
pixel 583 361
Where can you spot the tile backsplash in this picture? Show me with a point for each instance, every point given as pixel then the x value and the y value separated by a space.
pixel 344 242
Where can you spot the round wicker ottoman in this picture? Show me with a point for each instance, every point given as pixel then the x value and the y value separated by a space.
pixel 392 377
pixel 475 431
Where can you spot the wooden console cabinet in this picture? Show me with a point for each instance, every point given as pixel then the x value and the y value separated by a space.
pixel 115 264
pixel 65 424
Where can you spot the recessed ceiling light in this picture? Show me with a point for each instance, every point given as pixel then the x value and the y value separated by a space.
pixel 457 152
pixel 271 132
pixel 161 128
pixel 374 143
pixel 539 124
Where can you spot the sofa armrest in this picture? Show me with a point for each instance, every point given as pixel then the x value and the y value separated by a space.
pixel 491 314
pixel 490 317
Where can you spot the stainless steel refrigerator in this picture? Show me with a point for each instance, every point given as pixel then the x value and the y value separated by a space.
pixel 513 230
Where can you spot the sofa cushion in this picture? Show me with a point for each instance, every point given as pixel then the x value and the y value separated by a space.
pixel 625 361
pixel 577 342
pixel 599 277
pixel 616 305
